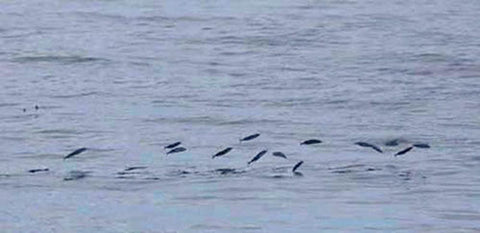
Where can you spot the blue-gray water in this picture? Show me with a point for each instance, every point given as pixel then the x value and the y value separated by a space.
pixel 125 78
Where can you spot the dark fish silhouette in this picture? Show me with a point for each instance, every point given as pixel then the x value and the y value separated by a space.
pixel 176 150
pixel 364 144
pixel 421 145
pixel 279 154
pixel 134 168
pixel 36 107
pixel 38 170
pixel 76 152
pixel 250 137
pixel 404 151
pixel 297 166
pixel 173 145
pixel 311 141
pixel 258 156
pixel 222 152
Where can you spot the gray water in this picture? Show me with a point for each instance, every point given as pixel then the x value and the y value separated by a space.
pixel 125 78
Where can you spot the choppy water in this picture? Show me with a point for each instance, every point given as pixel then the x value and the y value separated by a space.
pixel 125 78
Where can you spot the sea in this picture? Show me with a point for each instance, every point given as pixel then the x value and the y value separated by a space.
pixel 124 79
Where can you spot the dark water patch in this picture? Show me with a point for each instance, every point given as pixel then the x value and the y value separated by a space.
pixel 191 120
pixel 196 198
pixel 282 169
pixel 3 105
pixel 395 142
pixel 22 117
pixel 76 175
pixel 252 121
pixel 78 95
pixel 58 133
pixel 445 173
pixel 344 171
pixel 347 167
pixel 165 103
pixel 237 74
pixel 237 53
pixel 102 16
pixel 371 169
pixel 13 138
pixel 181 173
pixel 64 60
pixel 152 178
pixel 37 156
pixel 227 228
pixel 185 18
pixel 279 176
pixel 130 173
pixel 420 72
pixel 460 216
pixel 124 176
pixel 228 171
pixel 294 102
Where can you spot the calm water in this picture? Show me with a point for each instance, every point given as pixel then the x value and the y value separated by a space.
pixel 125 78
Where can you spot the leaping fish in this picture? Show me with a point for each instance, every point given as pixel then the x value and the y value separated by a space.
pixel 297 166
pixel 250 137
pixel 258 156
pixel 173 145
pixel 364 144
pixel 176 150
pixel 404 151
pixel 421 145
pixel 279 154
pixel 222 152
pixel 75 152
pixel 311 141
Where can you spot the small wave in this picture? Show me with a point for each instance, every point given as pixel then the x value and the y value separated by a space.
pixel 57 59
pixel 197 120
pixel 8 104
pixel 76 95
pixel 252 121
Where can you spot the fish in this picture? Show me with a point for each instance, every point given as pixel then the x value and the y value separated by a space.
pixel 297 166
pixel 279 154
pixel 421 145
pixel 311 141
pixel 404 151
pixel 364 144
pixel 75 152
pixel 173 145
pixel 250 137
pixel 258 156
pixel 38 170
pixel 222 152
pixel 176 150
